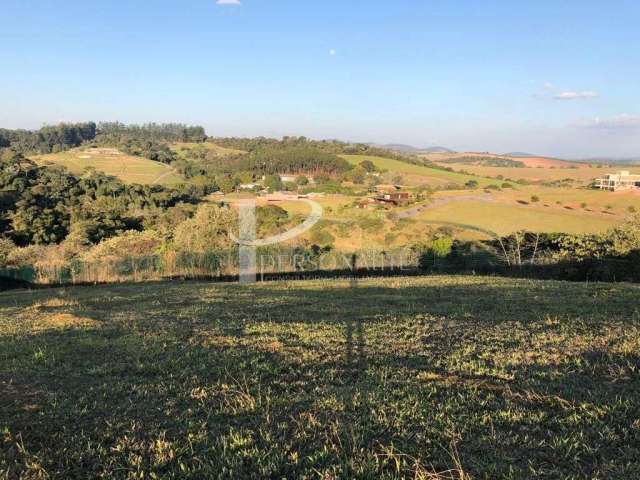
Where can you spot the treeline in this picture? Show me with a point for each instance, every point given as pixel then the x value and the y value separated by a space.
pixel 292 159
pixel 49 139
pixel 148 140
pixel 44 205
pixel 335 147
pixel 164 132
pixel 485 161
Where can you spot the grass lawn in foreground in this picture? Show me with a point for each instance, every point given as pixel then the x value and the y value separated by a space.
pixel 391 378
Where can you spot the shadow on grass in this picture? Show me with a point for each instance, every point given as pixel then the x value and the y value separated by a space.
pixel 285 381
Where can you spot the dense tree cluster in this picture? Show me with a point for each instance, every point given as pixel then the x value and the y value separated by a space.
pixel 48 139
pixel 294 159
pixel 39 205
pixel 165 132
pixel 335 147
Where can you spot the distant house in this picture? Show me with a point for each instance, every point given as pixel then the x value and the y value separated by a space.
pixel 618 181
pixel 394 198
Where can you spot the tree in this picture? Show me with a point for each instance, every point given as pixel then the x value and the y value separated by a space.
pixel 207 231
pixel 302 180
pixel 471 184
pixel 535 198
pixel 273 183
pixel 368 166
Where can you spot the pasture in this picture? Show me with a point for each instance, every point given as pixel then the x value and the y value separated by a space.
pixel 432 377
pixel 505 218
pixel 128 168
pixel 584 174
pixel 417 174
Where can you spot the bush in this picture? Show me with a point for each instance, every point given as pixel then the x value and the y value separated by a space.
pixel 6 247
pixel 368 166
pixel 129 244
pixel 438 249
pixel 322 237
pixel 273 182
pixel 207 231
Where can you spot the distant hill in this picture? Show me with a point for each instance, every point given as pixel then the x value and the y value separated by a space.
pixel 438 150
pixel 400 147
pixel 617 161
pixel 519 154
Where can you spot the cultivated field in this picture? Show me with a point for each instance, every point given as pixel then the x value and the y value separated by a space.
pixel 465 377
pixel 129 169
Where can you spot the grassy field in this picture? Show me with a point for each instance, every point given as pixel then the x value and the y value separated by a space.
pixel 402 378
pixel 583 175
pixel 576 198
pixel 528 161
pixel 129 169
pixel 506 218
pixel 417 174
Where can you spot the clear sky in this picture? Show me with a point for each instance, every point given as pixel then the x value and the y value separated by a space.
pixel 548 76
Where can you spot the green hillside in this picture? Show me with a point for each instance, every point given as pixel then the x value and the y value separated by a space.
pixel 425 174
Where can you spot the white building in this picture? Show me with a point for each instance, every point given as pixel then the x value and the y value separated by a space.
pixel 618 181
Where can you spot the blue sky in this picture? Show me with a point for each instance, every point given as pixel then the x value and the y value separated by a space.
pixel 552 77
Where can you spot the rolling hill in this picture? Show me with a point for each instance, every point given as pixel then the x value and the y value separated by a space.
pixel 417 174
pixel 128 168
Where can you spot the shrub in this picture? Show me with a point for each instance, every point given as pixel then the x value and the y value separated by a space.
pixel 273 182
pixel 208 230
pixel 6 247
pixel 437 249
pixel 322 237
pixel 368 166
pixel 129 244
